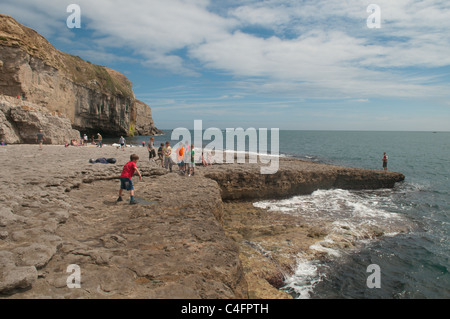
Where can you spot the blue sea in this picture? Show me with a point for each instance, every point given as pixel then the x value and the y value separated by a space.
pixel 414 263
pixel 413 255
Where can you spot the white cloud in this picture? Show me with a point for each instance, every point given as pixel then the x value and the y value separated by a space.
pixel 48 17
pixel 311 48
pixel 333 62
pixel 155 30
pixel 264 16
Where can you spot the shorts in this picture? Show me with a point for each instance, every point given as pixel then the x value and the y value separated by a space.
pixel 126 183
pixel 181 164
pixel 192 164
pixel 384 164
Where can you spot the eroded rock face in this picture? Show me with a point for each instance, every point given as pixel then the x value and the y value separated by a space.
pixel 144 121
pixel 94 98
pixel 20 121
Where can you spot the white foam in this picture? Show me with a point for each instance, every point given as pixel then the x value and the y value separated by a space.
pixel 349 218
pixel 253 153
pixel 305 278
pixel 319 247
pixel 335 205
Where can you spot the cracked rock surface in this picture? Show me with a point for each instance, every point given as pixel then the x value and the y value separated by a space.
pixel 58 210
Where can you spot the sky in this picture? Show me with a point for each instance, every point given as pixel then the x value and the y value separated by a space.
pixel 287 64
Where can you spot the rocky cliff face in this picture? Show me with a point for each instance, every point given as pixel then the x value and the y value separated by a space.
pixel 20 121
pixel 94 98
pixel 144 122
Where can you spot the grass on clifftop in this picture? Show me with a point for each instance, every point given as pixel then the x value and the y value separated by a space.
pixel 92 75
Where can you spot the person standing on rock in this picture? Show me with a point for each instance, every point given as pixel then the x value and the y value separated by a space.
pixel 187 156
pixel 168 162
pixel 191 161
pixel 385 160
pixel 161 154
pixel 122 143
pixel 99 139
pixel 125 178
pixel 151 149
pixel 180 158
pixel 40 139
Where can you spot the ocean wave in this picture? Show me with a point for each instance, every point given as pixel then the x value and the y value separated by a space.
pixel 336 205
pixel 306 276
pixel 351 219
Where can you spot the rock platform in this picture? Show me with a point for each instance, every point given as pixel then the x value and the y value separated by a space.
pixel 190 237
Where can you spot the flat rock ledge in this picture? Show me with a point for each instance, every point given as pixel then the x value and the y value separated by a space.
pixel 294 177
pixel 59 210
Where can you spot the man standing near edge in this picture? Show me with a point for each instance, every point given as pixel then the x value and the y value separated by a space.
pixel 385 159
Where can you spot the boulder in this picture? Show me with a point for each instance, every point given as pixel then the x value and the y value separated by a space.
pixel 13 277
pixel 21 121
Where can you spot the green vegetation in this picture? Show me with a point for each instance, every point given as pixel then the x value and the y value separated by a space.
pixel 86 73
pixel 109 83
pixel 132 129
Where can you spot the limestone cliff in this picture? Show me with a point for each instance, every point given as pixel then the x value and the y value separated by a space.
pixel 144 124
pixel 21 120
pixel 94 98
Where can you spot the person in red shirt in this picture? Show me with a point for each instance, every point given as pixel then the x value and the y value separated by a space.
pixel 125 178
pixel 385 160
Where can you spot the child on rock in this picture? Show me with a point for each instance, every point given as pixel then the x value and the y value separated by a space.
pixel 125 178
